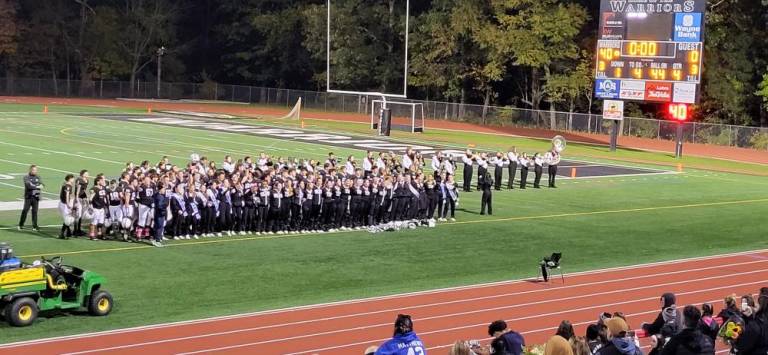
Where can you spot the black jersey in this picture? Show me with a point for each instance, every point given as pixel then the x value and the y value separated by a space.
pixel 66 191
pixel 115 196
pixel 146 195
pixel 100 198
pixel 82 187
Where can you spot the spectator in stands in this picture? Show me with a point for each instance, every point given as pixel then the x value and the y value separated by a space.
pixel 755 337
pixel 620 342
pixel 666 316
pixel 730 308
pixel 747 307
pixel 596 337
pixel 658 341
pixel 579 346
pixel 505 341
pixel 558 345
pixel 460 348
pixel 404 341
pixel 690 340
pixel 708 324
pixel 565 330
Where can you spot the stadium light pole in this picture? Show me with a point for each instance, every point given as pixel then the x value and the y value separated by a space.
pixel 160 54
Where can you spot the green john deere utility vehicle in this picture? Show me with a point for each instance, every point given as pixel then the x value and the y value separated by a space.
pixel 26 290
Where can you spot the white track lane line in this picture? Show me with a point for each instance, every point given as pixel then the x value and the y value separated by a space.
pixel 250 329
pixel 376 341
pixel 756 253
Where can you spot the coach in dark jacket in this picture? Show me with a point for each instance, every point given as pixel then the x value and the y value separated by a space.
pixel 690 340
pixel 32 189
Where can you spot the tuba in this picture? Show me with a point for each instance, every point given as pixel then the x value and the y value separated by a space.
pixel 558 144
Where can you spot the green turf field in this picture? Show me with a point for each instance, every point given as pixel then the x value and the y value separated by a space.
pixel 596 223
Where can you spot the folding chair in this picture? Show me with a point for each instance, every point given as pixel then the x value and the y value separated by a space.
pixel 551 262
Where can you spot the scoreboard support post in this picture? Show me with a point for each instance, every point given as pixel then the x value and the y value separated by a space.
pixel 614 135
pixel 679 143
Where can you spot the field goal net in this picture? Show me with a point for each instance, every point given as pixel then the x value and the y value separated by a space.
pixel 406 116
pixel 295 114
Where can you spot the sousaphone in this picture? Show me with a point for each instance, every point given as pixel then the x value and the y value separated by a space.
pixel 558 145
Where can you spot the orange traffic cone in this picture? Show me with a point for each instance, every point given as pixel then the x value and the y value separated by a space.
pixel 45 109
pixel 573 172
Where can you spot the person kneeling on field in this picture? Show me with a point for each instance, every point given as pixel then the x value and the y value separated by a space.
pixel 405 341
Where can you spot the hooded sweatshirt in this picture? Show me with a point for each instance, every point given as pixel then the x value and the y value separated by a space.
pixel 402 344
pixel 655 327
pixel 620 346
pixel 689 342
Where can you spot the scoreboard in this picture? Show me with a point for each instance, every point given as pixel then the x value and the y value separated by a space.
pixel 650 50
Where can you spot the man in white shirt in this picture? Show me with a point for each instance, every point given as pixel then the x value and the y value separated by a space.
pixel 512 167
pixel 227 165
pixel 368 164
pixel 468 160
pixel 407 161
pixel 498 163
pixel 538 168
pixel 349 167
pixel 448 166
pixel 437 163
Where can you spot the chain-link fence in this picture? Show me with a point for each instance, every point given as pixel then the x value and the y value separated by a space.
pixel 727 135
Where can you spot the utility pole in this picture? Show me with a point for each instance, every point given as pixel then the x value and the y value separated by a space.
pixel 160 54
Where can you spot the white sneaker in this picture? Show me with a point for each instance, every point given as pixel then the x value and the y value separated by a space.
pixel 257 233
pixel 242 233
pixel 453 219
pixel 165 239
pixel 229 233
pixel 218 234
pixel 196 236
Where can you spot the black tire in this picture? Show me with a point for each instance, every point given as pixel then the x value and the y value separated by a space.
pixel 100 303
pixel 21 312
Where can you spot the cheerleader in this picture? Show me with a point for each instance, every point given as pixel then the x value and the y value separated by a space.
pixel 318 196
pixel 249 213
pixel 193 213
pixel 376 198
pixel 238 206
pixel 225 207
pixel 343 218
pixel 209 212
pixel 431 191
pixel 275 209
pixel 450 199
pixel 387 193
pixel 307 219
pixel 262 208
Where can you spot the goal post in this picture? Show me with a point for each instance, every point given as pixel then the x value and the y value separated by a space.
pixel 295 114
pixel 406 116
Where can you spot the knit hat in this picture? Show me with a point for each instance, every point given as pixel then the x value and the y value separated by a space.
pixel 616 326
pixel 557 345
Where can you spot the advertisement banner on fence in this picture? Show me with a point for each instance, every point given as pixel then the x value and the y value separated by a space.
pixel 613 110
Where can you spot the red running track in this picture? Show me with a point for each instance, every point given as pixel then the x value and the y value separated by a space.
pixel 440 316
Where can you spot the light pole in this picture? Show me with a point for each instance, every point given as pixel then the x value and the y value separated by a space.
pixel 160 54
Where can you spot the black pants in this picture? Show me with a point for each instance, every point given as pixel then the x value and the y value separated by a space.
pixel 237 218
pixel 261 218
pixel 512 171
pixel 497 173
pixel 544 272
pixel 486 202
pixel 523 177
pixel 467 177
pixel 552 170
pixel 29 202
pixel 537 180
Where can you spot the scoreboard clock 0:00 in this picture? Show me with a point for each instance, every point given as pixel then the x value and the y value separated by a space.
pixel 650 50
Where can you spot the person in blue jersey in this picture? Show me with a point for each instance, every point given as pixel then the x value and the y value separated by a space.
pixel 405 341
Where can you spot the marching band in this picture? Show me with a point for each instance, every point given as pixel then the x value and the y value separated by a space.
pixel 285 196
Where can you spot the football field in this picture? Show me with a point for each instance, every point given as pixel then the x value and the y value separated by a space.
pixel 638 208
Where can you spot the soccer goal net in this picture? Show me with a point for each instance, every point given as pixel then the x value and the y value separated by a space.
pixel 295 114
pixel 406 116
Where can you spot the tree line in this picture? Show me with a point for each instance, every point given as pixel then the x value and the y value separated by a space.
pixel 536 54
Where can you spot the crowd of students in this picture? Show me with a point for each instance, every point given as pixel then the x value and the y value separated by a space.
pixel 163 201
pixel 691 330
